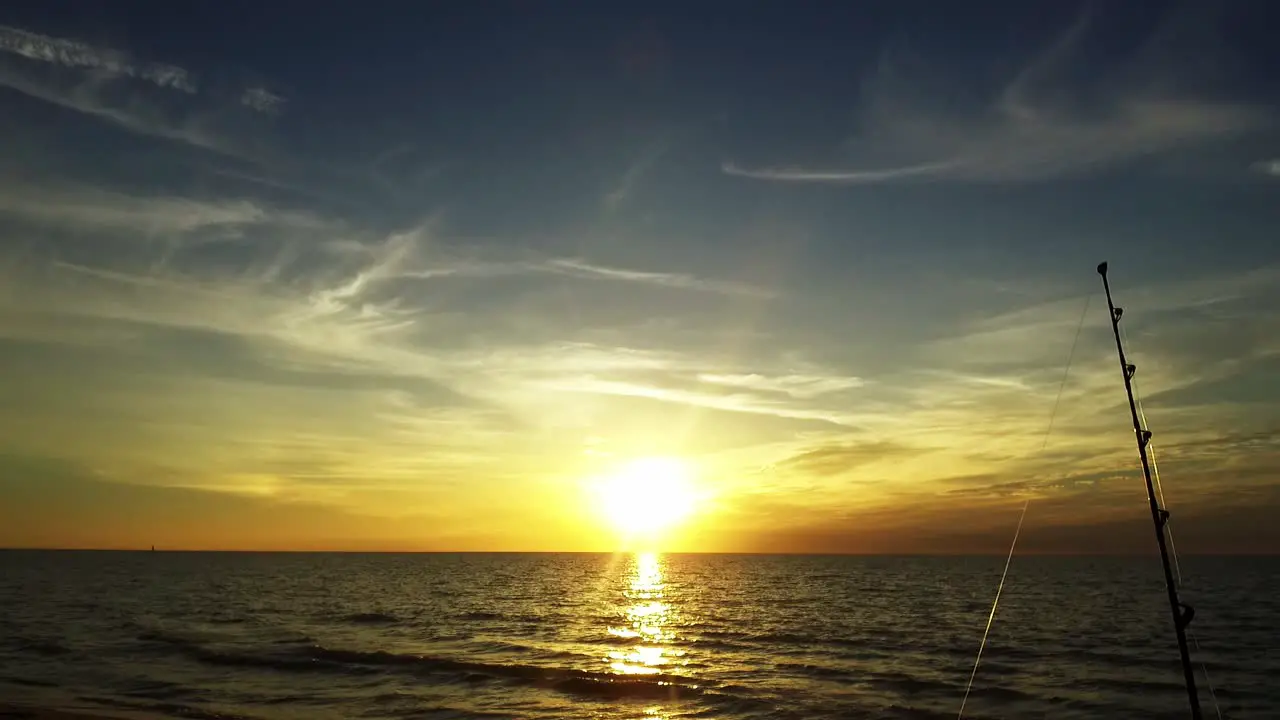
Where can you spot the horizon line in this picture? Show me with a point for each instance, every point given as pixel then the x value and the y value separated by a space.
pixel 1152 553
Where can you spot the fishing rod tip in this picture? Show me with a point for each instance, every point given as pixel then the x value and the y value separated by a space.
pixel 1102 268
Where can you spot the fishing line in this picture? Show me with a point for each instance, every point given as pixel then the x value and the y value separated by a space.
pixel 1142 414
pixel 992 616
pixel 1177 563
pixel 1205 669
pixel 1155 468
pixel 1173 548
pixel 1018 531
pixel 1155 476
pixel 1065 371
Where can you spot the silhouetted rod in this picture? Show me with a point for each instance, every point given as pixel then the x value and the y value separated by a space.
pixel 1182 614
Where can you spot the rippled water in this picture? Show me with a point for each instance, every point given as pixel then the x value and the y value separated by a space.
pixel 598 636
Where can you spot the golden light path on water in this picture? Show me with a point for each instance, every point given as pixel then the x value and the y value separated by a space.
pixel 650 622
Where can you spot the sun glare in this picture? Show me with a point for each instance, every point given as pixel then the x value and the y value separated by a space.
pixel 647 496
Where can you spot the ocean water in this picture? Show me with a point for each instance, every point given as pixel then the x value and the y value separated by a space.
pixel 213 635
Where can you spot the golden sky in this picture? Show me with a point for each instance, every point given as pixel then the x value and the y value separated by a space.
pixel 316 312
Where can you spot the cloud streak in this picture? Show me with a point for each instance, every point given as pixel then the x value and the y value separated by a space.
pixel 796 386
pixel 148 99
pixel 465 267
pixel 1041 126
pixel 582 269
pixel 91 97
pixel 168 218
pixel 76 54
pixel 313 283
pixel 262 100
pixel 642 165
pixel 737 403
pixel 807 175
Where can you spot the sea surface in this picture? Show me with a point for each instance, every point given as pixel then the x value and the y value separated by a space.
pixel 245 635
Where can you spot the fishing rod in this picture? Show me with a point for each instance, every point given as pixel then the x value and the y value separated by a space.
pixel 1182 613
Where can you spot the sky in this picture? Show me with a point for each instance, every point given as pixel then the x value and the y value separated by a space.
pixel 413 276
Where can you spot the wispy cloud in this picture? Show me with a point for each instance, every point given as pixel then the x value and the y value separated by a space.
pixel 642 164
pixel 309 282
pixel 172 217
pixel 738 403
pixel 1184 334
pixel 796 386
pixel 971 412
pixel 1267 167
pixel 827 460
pixel 1042 125
pixel 262 100
pixel 92 97
pixel 73 53
pixel 801 174
pixel 584 269
pixel 136 96
pixel 469 267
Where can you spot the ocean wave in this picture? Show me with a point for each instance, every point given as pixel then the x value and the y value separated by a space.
pixel 570 681
pixel 819 671
pixel 370 618
pixel 167 638
pixel 1135 685
pixel 47 648
pixel 578 682
pixel 441 712
pixel 316 658
pixel 157 690
pixel 170 709
pixel 900 712
pixel 910 685
pixel 992 692
pixel 27 682
pixel 480 615
pixel 852 647
pixel 231 658
pixel 523 649
pixel 227 620
pixel 196 641
pixel 610 639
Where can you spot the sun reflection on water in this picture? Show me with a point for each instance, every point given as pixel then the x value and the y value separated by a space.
pixel 649 625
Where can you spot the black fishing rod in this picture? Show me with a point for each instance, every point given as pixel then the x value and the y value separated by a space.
pixel 1182 613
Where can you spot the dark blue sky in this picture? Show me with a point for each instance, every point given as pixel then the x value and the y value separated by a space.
pixel 530 228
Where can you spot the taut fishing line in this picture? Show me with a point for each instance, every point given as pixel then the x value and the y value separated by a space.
pixel 992 616
pixel 1018 531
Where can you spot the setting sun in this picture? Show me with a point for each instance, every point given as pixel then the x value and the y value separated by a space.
pixel 646 496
